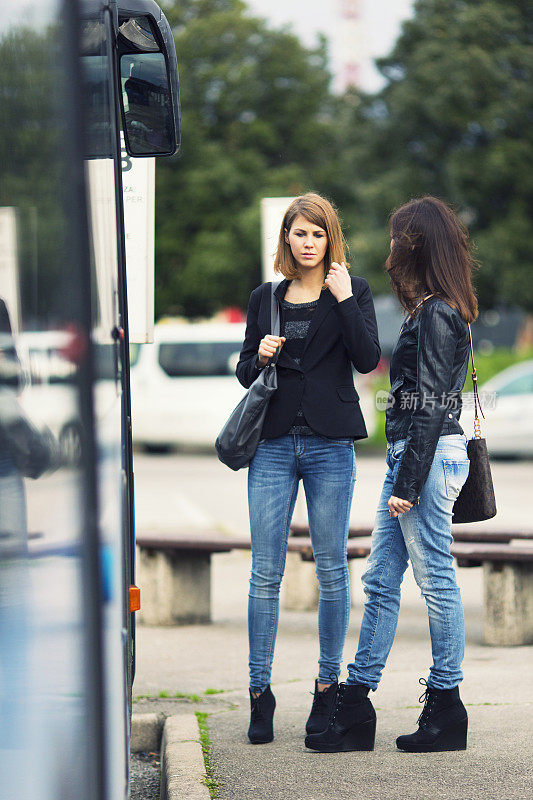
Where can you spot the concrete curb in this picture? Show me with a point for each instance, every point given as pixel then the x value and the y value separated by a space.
pixel 146 732
pixel 182 761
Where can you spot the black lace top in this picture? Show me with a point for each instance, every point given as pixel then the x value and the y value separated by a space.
pixel 296 320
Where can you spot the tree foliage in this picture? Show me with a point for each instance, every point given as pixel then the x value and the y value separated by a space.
pixel 454 119
pixel 256 121
pixel 259 118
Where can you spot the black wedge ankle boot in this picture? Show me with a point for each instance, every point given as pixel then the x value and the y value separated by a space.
pixel 352 725
pixel 261 728
pixel 322 708
pixel 442 725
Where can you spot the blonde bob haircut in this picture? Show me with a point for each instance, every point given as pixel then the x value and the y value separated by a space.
pixel 318 211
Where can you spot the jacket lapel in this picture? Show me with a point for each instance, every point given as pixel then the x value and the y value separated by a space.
pixel 281 289
pixel 326 301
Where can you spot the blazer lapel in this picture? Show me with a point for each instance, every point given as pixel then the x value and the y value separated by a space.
pixel 281 289
pixel 326 301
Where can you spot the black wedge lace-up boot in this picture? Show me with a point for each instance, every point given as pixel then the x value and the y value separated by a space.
pixel 352 725
pixel 322 708
pixel 442 725
pixel 262 707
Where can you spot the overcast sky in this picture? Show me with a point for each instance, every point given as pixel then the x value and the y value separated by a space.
pixel 380 19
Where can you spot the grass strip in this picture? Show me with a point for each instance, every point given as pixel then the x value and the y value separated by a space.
pixel 210 780
pixel 165 695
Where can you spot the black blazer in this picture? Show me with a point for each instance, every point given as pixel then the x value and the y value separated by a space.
pixel 339 335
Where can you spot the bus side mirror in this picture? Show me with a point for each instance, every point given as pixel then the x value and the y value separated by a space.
pixel 149 84
pixel 149 128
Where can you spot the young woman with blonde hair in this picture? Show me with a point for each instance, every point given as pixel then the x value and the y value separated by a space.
pixel 328 325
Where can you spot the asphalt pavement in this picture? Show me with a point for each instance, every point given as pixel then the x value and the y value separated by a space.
pixel 204 668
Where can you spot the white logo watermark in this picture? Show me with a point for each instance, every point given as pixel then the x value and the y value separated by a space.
pixel 450 401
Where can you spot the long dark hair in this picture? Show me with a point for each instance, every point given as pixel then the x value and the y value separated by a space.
pixel 431 254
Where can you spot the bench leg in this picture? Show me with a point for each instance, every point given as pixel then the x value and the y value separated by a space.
pixel 175 587
pixel 508 603
pixel 300 585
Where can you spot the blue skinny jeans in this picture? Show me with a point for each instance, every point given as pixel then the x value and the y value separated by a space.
pixel 327 468
pixel 422 535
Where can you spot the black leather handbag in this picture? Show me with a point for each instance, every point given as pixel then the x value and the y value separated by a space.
pixel 237 441
pixel 476 501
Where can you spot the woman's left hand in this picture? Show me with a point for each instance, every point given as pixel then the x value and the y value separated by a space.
pixel 398 506
pixel 339 282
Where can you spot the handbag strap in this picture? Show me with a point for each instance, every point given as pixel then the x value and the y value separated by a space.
pixel 274 310
pixel 274 318
pixel 477 404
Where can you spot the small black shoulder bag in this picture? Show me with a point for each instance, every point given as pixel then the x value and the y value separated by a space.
pixel 476 501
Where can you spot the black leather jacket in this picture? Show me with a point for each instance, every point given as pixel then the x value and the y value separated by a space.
pixel 427 372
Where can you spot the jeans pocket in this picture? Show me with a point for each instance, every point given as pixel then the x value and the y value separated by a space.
pixel 455 475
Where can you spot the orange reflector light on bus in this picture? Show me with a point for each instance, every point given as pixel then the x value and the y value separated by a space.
pixel 135 598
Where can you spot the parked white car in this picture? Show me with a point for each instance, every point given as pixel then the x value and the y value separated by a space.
pixel 183 387
pixel 507 401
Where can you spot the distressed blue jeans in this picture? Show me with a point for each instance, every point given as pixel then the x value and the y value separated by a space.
pixel 327 468
pixel 423 536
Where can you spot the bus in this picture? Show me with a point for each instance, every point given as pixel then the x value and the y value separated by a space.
pixel 87 87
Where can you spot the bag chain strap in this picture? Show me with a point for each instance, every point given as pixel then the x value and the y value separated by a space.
pixel 477 403
pixel 423 301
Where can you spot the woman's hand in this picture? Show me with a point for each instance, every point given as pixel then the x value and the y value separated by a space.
pixel 398 506
pixel 268 347
pixel 339 282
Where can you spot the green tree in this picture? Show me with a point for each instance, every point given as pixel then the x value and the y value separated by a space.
pixel 257 119
pixel 31 135
pixel 454 119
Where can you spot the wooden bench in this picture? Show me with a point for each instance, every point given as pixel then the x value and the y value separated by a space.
pixel 175 576
pixel 459 534
pixel 507 588
pixel 174 572
pixel 507 578
pixel 302 588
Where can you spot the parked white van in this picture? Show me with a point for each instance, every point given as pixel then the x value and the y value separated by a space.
pixel 183 386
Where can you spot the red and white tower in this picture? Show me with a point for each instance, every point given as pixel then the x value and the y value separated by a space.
pixel 352 48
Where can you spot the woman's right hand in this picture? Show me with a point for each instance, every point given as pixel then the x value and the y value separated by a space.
pixel 268 347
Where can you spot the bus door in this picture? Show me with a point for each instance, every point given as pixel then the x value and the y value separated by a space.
pixel 65 467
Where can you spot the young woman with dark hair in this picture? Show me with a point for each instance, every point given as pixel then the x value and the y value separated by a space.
pixel 328 324
pixel 430 266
